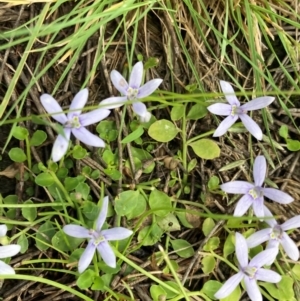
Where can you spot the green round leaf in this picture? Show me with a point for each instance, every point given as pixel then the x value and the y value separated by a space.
pixel 79 152
pixel 210 287
pixel 86 279
pixel 23 242
pixel 44 234
pixel 16 154
pixel 208 264
pixel 293 145
pixel 30 213
pixel 126 202
pixel 177 112
pixel 20 133
pixel 160 202
pixel 163 130
pixel 182 248
pixel 208 225
pixel 38 138
pixel 150 235
pixel 44 179
pixel 206 149
pixel 196 112
pixel 157 293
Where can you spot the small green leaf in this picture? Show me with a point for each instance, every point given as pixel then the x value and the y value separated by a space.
pixel 139 209
pixel 192 164
pixel 168 223
pixel 44 179
pixel 150 235
pixel 212 244
pixel 151 62
pixel 206 149
pixel 20 133
pixel 213 183
pixel 86 279
pixel 229 247
pixel 90 210
pixel 182 248
pixel 79 152
pixel 293 145
pixel 284 131
pixel 177 112
pixel 30 213
pixel 70 183
pixel 107 130
pixel 163 130
pixel 23 242
pixel 196 112
pixel 208 264
pixel 210 287
pixel 65 243
pixel 16 154
pixel 44 234
pixel 134 135
pixel 208 225
pixel 84 190
pixel 157 293
pixel 126 202
pixel 38 138
pixel 160 202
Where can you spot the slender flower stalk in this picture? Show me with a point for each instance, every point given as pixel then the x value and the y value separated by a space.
pixel 132 91
pixel 250 272
pixel 74 122
pixel 7 251
pixel 276 235
pixel 253 194
pixel 98 239
pixel 234 110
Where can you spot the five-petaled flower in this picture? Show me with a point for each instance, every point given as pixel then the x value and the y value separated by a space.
pixel 235 110
pixel 132 91
pixel 254 193
pixel 275 235
pixel 250 272
pixel 7 251
pixel 74 122
pixel 98 239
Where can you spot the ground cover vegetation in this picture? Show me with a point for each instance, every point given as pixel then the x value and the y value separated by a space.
pixel 149 150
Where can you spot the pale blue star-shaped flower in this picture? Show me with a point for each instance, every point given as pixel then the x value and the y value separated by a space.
pixel 276 235
pixel 98 239
pixel 74 122
pixel 7 251
pixel 250 272
pixel 254 193
pixel 234 110
pixel 132 91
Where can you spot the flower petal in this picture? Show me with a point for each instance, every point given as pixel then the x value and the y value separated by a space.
pixel 239 187
pixel 277 196
pixel 86 257
pixel 251 126
pixel 117 233
pixel 107 254
pixel 267 276
pixel 3 230
pixel 221 109
pixel 225 125
pixel 263 257
pixel 113 102
pixel 243 205
pixel 78 102
pixel 102 215
pixel 93 116
pixel 252 289
pixel 61 145
pixel 258 237
pixel 241 249
pixel 229 93
pixel 136 75
pixel 258 207
pixel 87 137
pixel 6 269
pixel 52 107
pixel 229 286
pixel 272 244
pixel 292 223
pixel 149 87
pixel 270 221
pixel 139 108
pixel 119 82
pixel 258 103
pixel 77 231
pixel 259 170
pixel 9 251
pixel 290 247
pixel 145 118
